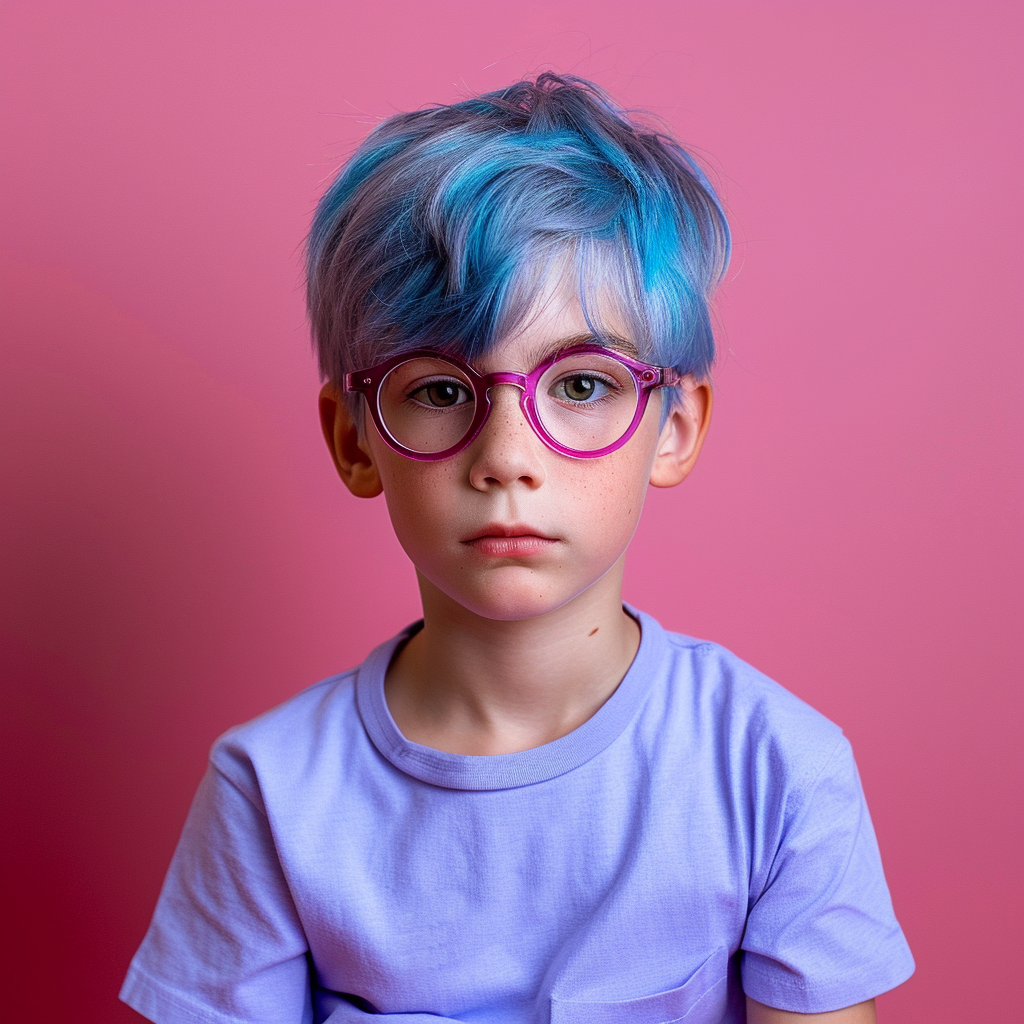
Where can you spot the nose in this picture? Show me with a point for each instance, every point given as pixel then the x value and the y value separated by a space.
pixel 506 451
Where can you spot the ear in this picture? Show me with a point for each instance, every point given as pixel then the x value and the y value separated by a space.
pixel 682 435
pixel 352 459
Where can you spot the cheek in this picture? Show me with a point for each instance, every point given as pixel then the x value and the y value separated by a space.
pixel 612 488
pixel 604 500
pixel 420 502
pixel 607 494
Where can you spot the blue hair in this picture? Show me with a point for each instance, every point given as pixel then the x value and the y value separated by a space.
pixel 440 228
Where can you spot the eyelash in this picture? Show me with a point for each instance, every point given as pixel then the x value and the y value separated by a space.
pixel 424 386
pixel 612 385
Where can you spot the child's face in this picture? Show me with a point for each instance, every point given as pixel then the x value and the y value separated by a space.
pixel 574 517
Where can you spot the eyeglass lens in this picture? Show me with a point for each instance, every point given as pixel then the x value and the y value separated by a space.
pixel 585 401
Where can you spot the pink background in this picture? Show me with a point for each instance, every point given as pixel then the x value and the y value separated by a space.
pixel 177 554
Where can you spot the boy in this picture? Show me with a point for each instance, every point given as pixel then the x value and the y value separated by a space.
pixel 535 805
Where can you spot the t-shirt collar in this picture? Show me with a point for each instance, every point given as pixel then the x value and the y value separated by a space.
pixel 506 771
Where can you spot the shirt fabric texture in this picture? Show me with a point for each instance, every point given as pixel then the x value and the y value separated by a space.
pixel 703 835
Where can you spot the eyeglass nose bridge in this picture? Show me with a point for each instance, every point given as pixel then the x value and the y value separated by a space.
pixel 491 380
pixel 488 381
pixel 517 380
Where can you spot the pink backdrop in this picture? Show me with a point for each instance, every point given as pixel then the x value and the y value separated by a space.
pixel 177 554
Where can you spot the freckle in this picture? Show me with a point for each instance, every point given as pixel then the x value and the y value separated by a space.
pixel 593 631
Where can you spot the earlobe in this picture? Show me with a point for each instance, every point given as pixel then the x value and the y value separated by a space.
pixel 354 463
pixel 682 436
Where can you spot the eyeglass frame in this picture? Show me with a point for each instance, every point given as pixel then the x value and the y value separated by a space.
pixel 646 376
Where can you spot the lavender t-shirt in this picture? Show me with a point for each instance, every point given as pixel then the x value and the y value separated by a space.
pixel 703 835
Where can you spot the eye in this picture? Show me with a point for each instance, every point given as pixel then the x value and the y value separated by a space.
pixel 582 388
pixel 441 394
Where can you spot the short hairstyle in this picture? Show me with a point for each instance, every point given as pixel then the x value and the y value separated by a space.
pixel 440 228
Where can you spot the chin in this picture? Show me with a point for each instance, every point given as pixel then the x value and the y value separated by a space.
pixel 509 607
pixel 509 597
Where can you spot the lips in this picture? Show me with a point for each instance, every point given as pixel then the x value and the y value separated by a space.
pixel 510 540
pixel 508 530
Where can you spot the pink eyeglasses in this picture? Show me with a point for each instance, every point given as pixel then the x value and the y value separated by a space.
pixel 584 401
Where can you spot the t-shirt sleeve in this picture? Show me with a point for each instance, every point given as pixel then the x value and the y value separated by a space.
pixel 225 944
pixel 822 934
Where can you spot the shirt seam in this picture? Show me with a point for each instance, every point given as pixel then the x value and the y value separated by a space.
pixel 698 1000
pixel 178 998
pixel 692 644
pixel 258 805
pixel 794 824
pixel 885 977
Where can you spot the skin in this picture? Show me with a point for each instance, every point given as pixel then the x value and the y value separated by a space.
pixel 522 641
pixel 862 1013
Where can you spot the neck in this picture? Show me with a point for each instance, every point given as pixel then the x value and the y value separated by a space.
pixel 472 685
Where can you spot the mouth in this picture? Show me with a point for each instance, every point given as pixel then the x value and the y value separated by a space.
pixel 515 540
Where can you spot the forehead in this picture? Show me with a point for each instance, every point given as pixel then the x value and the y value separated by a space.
pixel 555 320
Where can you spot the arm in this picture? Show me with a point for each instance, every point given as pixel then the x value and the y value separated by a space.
pixel 862 1013
pixel 226 942
pixel 821 932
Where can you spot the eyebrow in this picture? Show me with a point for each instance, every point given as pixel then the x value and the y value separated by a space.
pixel 606 340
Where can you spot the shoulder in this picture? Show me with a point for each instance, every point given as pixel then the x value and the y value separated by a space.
pixel 761 742
pixel 772 764
pixel 289 743
pixel 723 688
